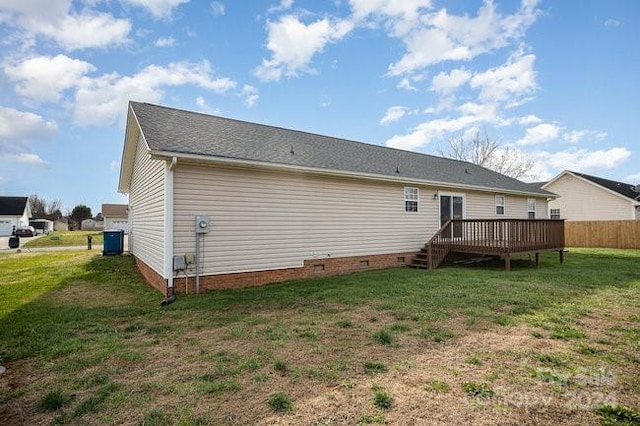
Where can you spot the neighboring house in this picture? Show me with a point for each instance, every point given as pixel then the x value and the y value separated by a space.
pixel 14 212
pixel 283 204
pixel 91 225
pixel 584 197
pixel 116 216
pixel 61 225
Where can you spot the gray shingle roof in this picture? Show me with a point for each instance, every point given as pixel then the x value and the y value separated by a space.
pixel 183 132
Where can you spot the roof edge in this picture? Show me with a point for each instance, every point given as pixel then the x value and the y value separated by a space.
pixel 167 155
pixel 590 182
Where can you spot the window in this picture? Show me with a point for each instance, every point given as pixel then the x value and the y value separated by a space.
pixel 410 199
pixel 554 213
pixel 500 204
pixel 531 207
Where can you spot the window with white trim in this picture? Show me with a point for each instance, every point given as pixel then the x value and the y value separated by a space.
pixel 410 199
pixel 554 213
pixel 500 204
pixel 531 207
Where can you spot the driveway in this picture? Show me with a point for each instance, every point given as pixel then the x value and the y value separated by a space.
pixel 4 245
pixel 4 242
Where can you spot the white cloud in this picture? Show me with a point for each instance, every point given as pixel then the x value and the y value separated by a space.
pixel 283 5
pixel 430 131
pixel 101 100
pixel 456 38
pixel 611 23
pixel 250 95
pixel 400 16
pixel 158 8
pixel 575 136
pixel 204 106
pixel 114 165
pixel 446 83
pixel 26 158
pixel 529 119
pixel 507 83
pixel 87 30
pixel 540 134
pixel 45 78
pixel 393 114
pixel 634 178
pixel 549 164
pixel 55 20
pixel 19 126
pixel 217 8
pixel 293 43
pixel 165 42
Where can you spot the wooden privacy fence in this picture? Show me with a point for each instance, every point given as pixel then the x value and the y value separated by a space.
pixel 624 234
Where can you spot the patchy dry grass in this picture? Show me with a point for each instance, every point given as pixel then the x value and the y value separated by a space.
pixel 85 342
pixel 65 239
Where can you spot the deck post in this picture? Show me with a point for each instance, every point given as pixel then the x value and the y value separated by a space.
pixel 537 260
pixel 430 256
pixel 561 252
pixel 507 262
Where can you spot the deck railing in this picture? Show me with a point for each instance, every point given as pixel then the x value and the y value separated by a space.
pixel 496 236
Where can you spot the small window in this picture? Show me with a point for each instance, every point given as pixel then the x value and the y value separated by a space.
pixel 410 200
pixel 500 204
pixel 319 267
pixel 531 208
pixel 554 213
pixel 400 259
pixel 364 263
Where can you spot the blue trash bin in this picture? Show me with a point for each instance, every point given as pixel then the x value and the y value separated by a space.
pixel 112 242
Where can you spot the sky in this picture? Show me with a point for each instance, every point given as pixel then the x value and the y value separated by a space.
pixel 557 81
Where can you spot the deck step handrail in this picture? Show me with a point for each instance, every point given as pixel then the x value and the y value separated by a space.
pixel 437 248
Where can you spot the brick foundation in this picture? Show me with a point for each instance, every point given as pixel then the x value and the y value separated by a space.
pixel 312 268
pixel 152 278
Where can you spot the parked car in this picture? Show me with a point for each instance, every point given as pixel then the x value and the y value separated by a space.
pixel 25 231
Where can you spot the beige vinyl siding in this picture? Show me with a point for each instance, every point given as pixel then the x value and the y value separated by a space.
pixel 581 200
pixel 146 214
pixel 265 220
pixel 481 205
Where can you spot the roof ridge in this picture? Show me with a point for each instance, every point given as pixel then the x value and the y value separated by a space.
pixel 236 120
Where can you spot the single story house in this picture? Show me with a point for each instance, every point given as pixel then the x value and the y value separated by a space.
pixel 14 212
pixel 252 204
pixel 116 216
pixel 585 197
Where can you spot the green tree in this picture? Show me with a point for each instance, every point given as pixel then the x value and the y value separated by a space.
pixel 80 213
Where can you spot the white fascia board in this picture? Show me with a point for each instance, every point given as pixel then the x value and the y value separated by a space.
pixel 131 136
pixel 167 155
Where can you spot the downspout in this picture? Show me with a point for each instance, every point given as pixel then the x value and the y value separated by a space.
pixel 168 231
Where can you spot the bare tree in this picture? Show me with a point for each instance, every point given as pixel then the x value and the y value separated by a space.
pixel 488 153
pixel 43 209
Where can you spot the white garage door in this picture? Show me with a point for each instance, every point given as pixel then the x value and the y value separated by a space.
pixel 6 227
pixel 121 224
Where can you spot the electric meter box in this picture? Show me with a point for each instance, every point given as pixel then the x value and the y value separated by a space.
pixel 202 224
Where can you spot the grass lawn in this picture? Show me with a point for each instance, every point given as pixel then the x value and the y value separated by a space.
pixel 85 342
pixel 65 239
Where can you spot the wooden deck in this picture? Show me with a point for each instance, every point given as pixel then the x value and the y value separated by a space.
pixel 493 237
